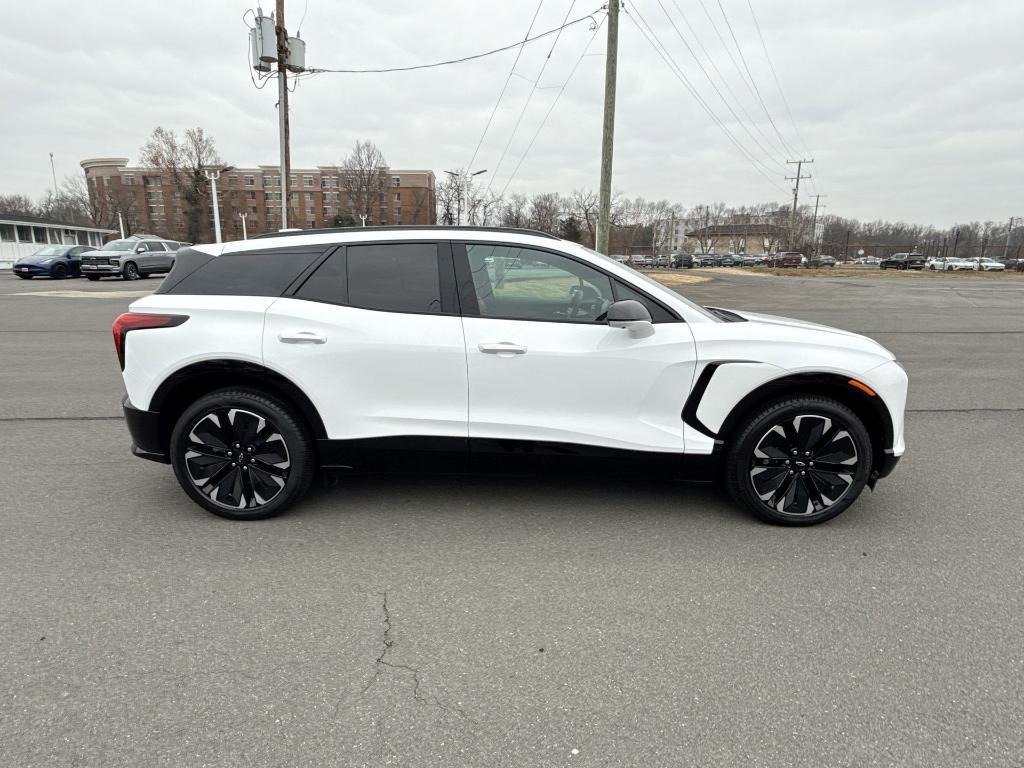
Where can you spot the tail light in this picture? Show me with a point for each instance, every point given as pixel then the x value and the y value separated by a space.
pixel 137 321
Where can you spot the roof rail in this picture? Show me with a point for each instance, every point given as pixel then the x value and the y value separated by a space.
pixel 406 228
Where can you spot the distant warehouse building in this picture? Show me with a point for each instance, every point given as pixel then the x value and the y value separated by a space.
pixel 24 235
pixel 749 239
pixel 147 198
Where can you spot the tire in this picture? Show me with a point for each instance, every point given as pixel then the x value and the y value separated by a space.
pixel 131 271
pixel 203 445
pixel 59 272
pixel 92 278
pixel 760 465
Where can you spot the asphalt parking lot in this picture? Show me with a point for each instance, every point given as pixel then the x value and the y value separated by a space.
pixel 428 621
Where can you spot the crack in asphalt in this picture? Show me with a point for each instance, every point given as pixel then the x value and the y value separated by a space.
pixel 381 664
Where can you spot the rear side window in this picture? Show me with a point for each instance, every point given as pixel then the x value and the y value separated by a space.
pixel 329 283
pixel 398 277
pixel 251 273
pixel 154 246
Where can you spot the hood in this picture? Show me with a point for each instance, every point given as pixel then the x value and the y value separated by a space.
pixel 36 259
pixel 801 331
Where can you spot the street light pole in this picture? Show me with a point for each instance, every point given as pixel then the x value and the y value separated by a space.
pixel 213 174
pixel 245 233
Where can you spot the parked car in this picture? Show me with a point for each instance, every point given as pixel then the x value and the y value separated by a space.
pixel 682 261
pixel 729 260
pixel 706 260
pixel 306 359
pixel 818 262
pixel 949 264
pixel 903 261
pixel 788 259
pixel 753 261
pixel 56 261
pixel 131 259
pixel 985 264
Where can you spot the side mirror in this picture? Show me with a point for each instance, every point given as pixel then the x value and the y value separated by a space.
pixel 140 248
pixel 633 316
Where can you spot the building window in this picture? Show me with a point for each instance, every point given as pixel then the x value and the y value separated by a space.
pixel 309 197
pixel 307 181
pixel 251 194
pixel 398 215
pixel 252 209
pixel 24 234
pixel 293 181
pixel 250 181
pixel 396 181
pixel 129 179
pixel 398 197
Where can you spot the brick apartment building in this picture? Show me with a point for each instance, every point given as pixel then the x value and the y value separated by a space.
pixel 148 200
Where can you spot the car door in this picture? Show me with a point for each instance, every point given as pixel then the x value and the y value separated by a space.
pixel 374 338
pixel 545 367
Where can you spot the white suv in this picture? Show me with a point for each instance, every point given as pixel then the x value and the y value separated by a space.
pixel 455 349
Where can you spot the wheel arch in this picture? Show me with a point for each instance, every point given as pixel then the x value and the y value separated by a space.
pixel 870 409
pixel 187 384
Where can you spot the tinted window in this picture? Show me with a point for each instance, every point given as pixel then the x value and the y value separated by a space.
pixel 526 284
pixel 328 283
pixel 254 273
pixel 152 245
pixel 658 313
pixel 400 277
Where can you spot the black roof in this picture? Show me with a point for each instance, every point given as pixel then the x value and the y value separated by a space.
pixel 406 228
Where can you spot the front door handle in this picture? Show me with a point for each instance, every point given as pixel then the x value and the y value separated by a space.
pixel 302 337
pixel 504 348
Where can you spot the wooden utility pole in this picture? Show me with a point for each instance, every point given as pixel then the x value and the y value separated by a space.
pixel 282 107
pixel 814 224
pixel 608 132
pixel 796 195
pixel 1006 247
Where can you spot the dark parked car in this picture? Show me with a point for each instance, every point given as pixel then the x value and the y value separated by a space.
pixel 682 261
pixel 56 261
pixel 788 259
pixel 904 261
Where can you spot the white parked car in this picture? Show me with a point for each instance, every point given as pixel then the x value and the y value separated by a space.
pixel 950 264
pixel 985 264
pixel 257 362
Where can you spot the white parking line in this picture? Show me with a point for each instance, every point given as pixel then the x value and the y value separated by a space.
pixel 83 294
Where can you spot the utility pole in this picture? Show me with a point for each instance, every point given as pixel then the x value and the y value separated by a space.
pixel 245 233
pixel 54 174
pixel 608 130
pixel 282 107
pixel 846 250
pixel 956 241
pixel 1006 247
pixel 213 174
pixel 796 195
pixel 814 224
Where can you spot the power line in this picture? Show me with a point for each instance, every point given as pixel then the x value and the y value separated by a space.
pixel 501 93
pixel 724 79
pixel 597 28
pixel 775 75
pixel 739 120
pixel 677 71
pixel 526 104
pixel 462 60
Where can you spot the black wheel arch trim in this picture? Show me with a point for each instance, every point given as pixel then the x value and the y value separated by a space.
pixel 187 384
pixel 871 409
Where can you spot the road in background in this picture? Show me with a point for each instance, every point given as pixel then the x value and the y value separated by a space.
pixel 516 621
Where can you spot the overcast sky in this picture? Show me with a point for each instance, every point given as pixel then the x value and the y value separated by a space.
pixel 912 109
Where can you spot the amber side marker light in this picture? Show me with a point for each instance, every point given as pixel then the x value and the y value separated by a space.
pixel 862 387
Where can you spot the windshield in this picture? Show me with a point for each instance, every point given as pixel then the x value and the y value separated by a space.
pixel 642 278
pixel 119 245
pixel 52 250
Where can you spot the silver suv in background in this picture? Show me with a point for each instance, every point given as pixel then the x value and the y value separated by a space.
pixel 131 258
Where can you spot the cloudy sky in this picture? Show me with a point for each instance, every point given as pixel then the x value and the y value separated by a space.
pixel 911 110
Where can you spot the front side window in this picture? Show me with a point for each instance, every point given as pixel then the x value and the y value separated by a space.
pixel 525 284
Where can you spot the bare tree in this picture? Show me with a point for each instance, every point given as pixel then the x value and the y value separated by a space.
pixel 364 177
pixel 449 200
pixel 184 161
pixel 420 203
pixel 546 212
pixel 583 206
pixel 513 211
pixel 18 205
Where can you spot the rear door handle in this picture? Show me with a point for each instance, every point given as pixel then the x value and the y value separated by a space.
pixel 302 337
pixel 505 348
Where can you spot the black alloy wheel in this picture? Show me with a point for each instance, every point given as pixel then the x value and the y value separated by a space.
pixel 241 454
pixel 131 271
pixel 799 461
pixel 59 272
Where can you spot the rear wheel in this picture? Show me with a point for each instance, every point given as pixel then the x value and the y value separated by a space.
pixel 799 461
pixel 242 454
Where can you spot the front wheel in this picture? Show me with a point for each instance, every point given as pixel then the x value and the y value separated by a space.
pixel 799 461
pixel 242 455
pixel 131 271
pixel 59 272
